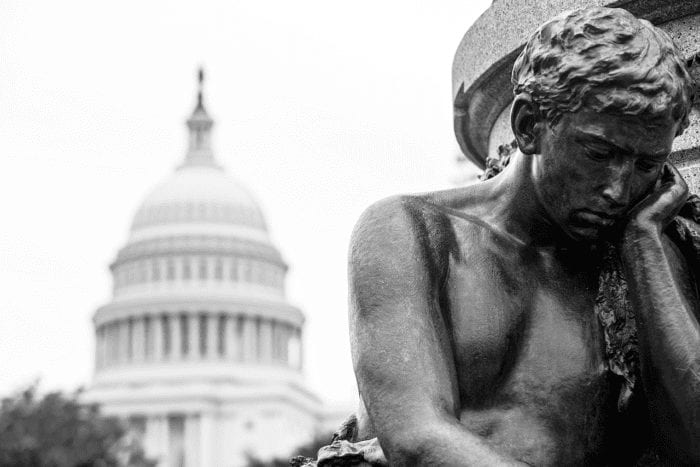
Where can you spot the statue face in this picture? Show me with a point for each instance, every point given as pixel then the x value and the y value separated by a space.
pixel 592 168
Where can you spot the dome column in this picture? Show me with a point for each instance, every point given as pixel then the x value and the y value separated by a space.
pixel 157 338
pixel 123 351
pixel 156 435
pixel 286 334
pixel 212 336
pixel 265 337
pixel 276 347
pixel 249 337
pixel 99 348
pixel 175 337
pixel 193 350
pixel 138 340
pixel 230 344
pixel 192 440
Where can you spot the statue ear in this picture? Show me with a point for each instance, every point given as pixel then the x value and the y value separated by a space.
pixel 524 119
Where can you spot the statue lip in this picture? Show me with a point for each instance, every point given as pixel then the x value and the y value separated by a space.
pixel 596 217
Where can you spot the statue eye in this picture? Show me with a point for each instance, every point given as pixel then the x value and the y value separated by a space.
pixel 598 155
pixel 647 165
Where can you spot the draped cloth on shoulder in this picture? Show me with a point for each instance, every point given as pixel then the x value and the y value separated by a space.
pixel 616 318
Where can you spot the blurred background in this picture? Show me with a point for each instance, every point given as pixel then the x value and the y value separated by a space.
pixel 319 108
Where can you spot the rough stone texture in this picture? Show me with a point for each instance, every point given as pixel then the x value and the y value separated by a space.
pixel 684 32
pixel 511 21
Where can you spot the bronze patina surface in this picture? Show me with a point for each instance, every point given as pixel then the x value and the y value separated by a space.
pixel 548 315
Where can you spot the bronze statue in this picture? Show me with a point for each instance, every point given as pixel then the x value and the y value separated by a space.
pixel 548 315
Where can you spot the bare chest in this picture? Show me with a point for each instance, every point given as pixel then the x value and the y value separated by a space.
pixel 529 356
pixel 511 314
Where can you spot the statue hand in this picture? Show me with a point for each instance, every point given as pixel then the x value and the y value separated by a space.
pixel 659 207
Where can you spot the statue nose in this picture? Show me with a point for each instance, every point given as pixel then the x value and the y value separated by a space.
pixel 618 184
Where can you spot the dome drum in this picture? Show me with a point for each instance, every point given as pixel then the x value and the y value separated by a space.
pixel 193 337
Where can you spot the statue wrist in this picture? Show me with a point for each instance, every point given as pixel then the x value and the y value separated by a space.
pixel 638 229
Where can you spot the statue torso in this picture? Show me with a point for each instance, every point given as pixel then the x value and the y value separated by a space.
pixel 528 348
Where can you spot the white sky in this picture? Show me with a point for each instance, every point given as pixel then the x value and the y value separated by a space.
pixel 321 108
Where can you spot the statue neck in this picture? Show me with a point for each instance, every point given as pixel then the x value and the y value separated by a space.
pixel 519 209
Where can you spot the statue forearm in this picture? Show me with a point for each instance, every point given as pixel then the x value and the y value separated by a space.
pixel 443 443
pixel 669 333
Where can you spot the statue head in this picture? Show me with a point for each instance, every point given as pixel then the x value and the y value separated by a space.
pixel 606 60
pixel 599 97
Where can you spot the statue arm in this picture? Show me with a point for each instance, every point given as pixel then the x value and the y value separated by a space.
pixel 401 346
pixel 664 294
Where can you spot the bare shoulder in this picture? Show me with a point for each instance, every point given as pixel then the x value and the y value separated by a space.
pixel 413 227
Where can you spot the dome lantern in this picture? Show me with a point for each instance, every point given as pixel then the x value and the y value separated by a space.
pixel 200 123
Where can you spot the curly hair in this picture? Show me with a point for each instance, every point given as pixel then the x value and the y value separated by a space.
pixel 606 60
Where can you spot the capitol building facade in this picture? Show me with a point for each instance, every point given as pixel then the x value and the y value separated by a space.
pixel 198 348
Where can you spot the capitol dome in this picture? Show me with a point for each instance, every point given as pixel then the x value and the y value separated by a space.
pixel 199 194
pixel 198 347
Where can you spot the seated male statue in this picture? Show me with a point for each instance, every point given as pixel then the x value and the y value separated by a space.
pixel 549 315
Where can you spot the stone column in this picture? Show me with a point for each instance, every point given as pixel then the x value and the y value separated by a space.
pixel 98 345
pixel 138 340
pixel 175 337
pixel 238 337
pixel 192 441
pixel 194 344
pixel 148 338
pixel 115 342
pixel 124 341
pixel 249 339
pixel 213 336
pixel 276 341
pixel 103 346
pixel 107 342
pixel 208 454
pixel 285 344
pixel 154 442
pixel 230 337
pixel 301 348
pixel 164 439
pixel 157 337
pixel 265 344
